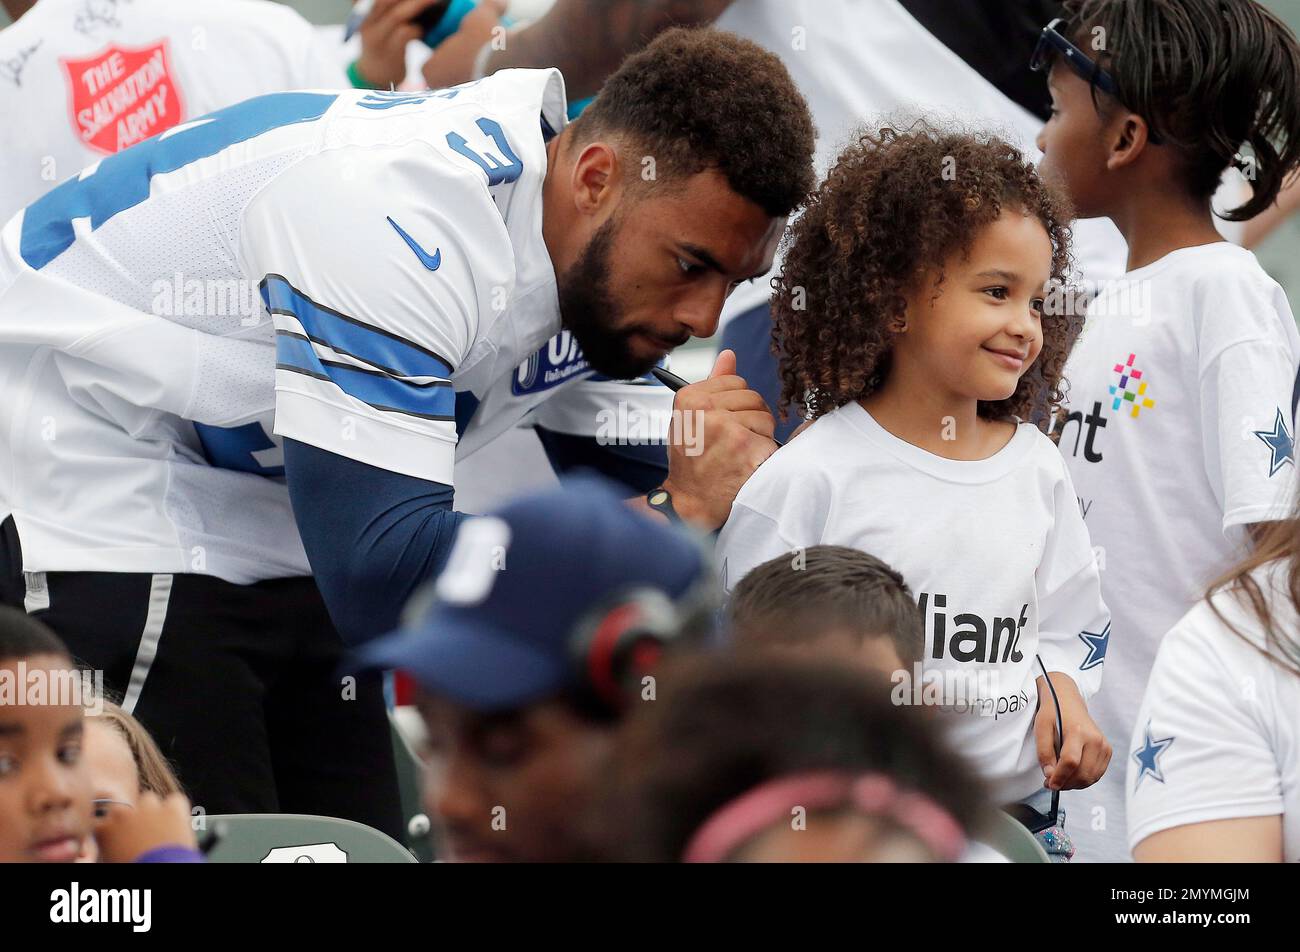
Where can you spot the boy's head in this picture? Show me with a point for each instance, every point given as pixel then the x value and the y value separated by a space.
pixel 1190 84
pixel 829 600
pixel 669 190
pixel 926 254
pixel 45 792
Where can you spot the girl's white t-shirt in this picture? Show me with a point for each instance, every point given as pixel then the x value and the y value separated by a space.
pixel 1218 733
pixel 1180 434
pixel 994 551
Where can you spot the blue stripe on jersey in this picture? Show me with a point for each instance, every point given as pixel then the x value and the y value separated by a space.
pixel 232 447
pixel 122 181
pixel 431 401
pixel 346 335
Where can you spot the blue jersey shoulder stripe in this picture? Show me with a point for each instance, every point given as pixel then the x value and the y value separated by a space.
pixel 347 335
pixel 123 180
pixel 430 401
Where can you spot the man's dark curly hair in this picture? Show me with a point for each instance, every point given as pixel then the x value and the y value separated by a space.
pixel 700 98
pixel 1209 76
pixel 895 203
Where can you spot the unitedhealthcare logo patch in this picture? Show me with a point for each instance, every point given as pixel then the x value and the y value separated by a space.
pixel 559 360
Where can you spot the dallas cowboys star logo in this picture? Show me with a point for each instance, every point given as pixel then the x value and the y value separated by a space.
pixel 1279 441
pixel 1097 643
pixel 1148 757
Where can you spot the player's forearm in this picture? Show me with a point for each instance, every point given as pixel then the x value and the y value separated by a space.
pixel 639 467
pixel 372 537
pixel 587 39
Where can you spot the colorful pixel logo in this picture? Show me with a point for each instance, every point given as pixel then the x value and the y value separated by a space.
pixel 1131 389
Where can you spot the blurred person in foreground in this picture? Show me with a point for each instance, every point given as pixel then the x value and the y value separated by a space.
pixel 537 638
pixel 785 760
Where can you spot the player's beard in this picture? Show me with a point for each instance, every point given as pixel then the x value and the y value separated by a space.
pixel 589 312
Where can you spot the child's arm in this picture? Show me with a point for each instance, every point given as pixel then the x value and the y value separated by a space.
pixel 749 539
pixel 782 508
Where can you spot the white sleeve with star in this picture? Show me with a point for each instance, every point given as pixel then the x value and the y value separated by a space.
pixel 1248 358
pixel 1200 749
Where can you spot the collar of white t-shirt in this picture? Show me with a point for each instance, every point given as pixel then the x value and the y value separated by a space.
pixel 954 470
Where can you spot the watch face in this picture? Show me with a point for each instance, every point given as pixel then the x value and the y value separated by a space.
pixel 658 497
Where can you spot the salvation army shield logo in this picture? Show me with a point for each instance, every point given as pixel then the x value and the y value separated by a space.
pixel 121 96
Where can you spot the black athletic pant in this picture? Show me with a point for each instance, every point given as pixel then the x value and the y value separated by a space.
pixel 239 684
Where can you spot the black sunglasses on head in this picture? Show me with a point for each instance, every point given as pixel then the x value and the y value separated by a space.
pixel 1052 43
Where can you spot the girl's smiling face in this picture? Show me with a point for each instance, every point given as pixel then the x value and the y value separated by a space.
pixel 976 331
pixel 45 789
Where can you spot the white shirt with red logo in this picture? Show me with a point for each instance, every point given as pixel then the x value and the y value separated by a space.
pixel 82 79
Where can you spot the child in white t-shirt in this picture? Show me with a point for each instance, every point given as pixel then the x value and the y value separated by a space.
pixel 1178 423
pixel 1214 764
pixel 908 319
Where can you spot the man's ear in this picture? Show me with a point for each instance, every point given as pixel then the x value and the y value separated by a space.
pixel 1129 139
pixel 596 177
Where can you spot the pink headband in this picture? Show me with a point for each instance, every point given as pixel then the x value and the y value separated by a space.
pixel 874 794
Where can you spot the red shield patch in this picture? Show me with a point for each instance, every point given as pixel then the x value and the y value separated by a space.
pixel 121 96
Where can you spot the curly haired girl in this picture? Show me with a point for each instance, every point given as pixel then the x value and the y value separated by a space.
pixel 911 318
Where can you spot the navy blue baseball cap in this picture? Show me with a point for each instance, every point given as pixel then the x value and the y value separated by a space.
pixel 495 631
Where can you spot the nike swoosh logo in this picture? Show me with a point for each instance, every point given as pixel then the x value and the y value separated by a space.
pixel 430 261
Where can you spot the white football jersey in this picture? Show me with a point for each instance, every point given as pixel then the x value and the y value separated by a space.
pixel 81 79
pixel 361 271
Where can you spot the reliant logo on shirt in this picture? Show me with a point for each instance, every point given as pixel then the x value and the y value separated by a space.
pixel 122 96
pixel 1130 390
pixel 974 639
pixel 1128 398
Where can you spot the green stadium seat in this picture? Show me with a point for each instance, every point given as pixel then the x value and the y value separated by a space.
pixel 1009 837
pixel 296 838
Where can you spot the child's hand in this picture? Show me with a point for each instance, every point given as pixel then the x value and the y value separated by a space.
pixel 125 834
pixel 1085 752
